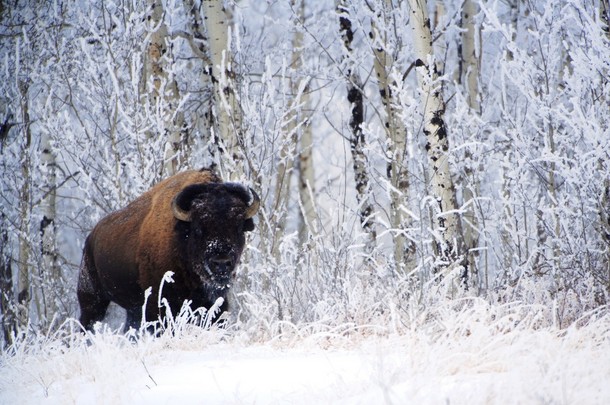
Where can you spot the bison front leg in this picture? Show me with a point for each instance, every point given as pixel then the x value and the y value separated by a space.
pixel 92 300
pixel 146 317
pixel 134 318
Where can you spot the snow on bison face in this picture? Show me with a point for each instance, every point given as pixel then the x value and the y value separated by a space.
pixel 213 219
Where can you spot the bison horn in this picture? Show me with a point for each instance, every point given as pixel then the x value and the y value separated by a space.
pixel 253 205
pixel 179 213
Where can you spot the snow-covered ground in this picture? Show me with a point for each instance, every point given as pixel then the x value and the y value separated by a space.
pixel 464 358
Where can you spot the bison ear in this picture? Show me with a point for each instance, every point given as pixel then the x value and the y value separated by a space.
pixel 248 195
pixel 248 225
pixel 179 213
pixel 181 204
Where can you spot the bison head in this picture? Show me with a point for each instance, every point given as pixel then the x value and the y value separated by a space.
pixel 212 219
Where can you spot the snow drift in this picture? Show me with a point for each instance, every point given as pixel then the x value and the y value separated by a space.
pixel 474 354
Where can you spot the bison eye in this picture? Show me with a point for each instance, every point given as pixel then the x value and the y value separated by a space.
pixel 248 225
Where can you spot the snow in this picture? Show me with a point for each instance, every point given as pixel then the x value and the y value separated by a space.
pixel 452 360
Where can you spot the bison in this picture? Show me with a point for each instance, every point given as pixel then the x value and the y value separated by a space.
pixel 191 224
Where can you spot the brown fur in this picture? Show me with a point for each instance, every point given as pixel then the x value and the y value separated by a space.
pixel 131 249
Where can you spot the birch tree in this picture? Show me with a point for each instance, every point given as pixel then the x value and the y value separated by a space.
pixel 397 169
pixel 604 204
pixel 307 222
pixel 470 68
pixel 229 131
pixel 161 88
pixel 470 55
pixel 604 217
pixel 203 117
pixel 7 296
pixel 357 140
pixel 283 181
pixel 18 189
pixel 445 220
pixel 50 272
pixel 24 276
pixel 307 186
pixel 295 145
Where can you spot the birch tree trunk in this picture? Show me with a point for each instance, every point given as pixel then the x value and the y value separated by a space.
pixel 446 222
pixel 204 118
pixel 297 134
pixel 357 140
pixel 7 297
pixel 24 288
pixel 604 216
pixel 307 189
pixel 470 67
pixel 510 210
pixel 164 89
pixel 307 223
pixel 604 9
pixel 397 135
pixel 470 55
pixel 283 181
pixel 228 111
pixel 50 273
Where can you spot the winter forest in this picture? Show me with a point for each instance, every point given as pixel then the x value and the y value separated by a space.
pixel 408 154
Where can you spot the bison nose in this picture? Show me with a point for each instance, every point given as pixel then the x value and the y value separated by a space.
pixel 221 260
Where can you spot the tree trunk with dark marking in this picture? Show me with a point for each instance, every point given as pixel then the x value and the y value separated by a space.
pixel 227 108
pixel 161 90
pixel 357 139
pixel 445 220
pixel 397 169
pixel 469 77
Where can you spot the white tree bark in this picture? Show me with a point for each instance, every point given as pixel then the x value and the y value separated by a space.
pixel 24 288
pixel 604 228
pixel 164 89
pixel 397 135
pixel 470 55
pixel 357 140
pixel 202 119
pixel 307 189
pixel 509 211
pixel 283 181
pixel 228 111
pixel 604 9
pixel 50 273
pixel 446 221
pixel 307 223
pixel 470 67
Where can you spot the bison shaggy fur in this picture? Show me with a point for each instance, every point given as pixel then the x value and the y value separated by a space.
pixel 191 224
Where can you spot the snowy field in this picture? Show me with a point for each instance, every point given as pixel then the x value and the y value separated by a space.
pixel 477 356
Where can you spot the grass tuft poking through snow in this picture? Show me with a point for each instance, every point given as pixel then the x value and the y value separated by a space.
pixel 464 352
